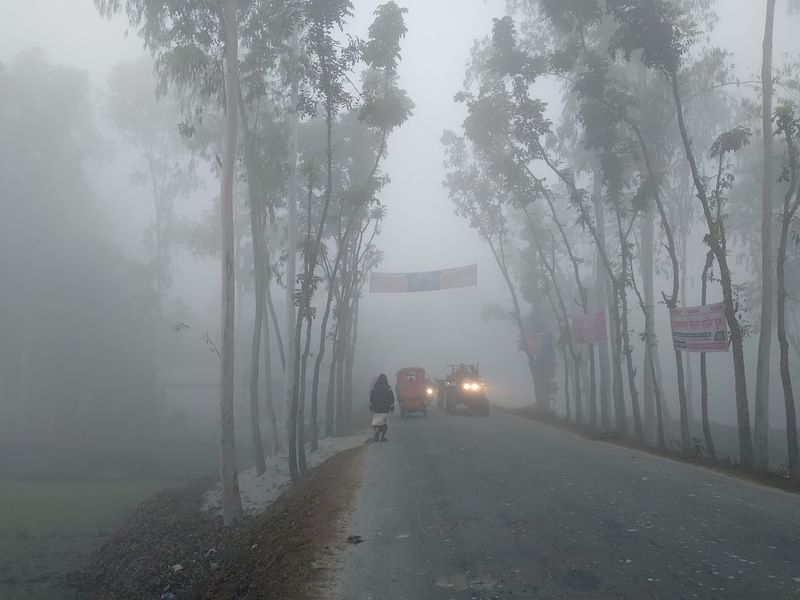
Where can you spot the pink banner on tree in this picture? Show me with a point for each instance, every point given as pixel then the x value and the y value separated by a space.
pixel 699 328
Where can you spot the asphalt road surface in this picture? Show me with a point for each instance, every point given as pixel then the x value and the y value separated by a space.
pixel 462 507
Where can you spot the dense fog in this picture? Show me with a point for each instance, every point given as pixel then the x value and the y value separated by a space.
pixel 110 236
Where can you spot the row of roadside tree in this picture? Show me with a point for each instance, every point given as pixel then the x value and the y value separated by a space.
pixel 653 174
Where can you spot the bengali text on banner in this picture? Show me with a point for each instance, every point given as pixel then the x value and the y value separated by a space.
pixel 699 328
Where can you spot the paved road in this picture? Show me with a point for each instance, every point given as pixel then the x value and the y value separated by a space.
pixel 481 508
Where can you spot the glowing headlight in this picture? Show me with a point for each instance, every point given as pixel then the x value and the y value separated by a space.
pixel 471 386
pixel 429 391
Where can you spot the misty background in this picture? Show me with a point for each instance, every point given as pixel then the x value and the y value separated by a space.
pixel 91 252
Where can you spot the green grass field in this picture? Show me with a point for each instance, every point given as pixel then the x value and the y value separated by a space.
pixel 47 529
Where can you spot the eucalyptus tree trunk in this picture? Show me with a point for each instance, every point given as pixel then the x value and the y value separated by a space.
pixel 568 341
pixel 318 367
pixel 651 367
pixel 583 298
pixel 311 258
pixel 343 332
pixel 564 333
pixel 703 369
pixel 761 425
pixel 260 273
pixel 683 226
pixel 647 266
pixel 601 299
pixel 565 358
pixel 332 288
pixel 294 404
pixel 592 389
pixel 269 394
pixel 624 331
pixel 791 202
pixel 617 286
pixel 307 315
pixel 346 315
pixel 339 355
pixel 628 350
pixel 783 341
pixel 296 438
pixel 689 372
pixel 301 407
pixel 614 297
pixel 291 240
pixel 274 316
pixel 330 396
pixel 350 363
pixel 620 412
pixel 670 300
pixel 270 405
pixel 231 500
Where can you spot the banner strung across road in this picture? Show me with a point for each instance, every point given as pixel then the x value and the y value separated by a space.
pixel 699 328
pixel 381 283
pixel 589 329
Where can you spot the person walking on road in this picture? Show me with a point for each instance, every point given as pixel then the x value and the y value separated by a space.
pixel 381 403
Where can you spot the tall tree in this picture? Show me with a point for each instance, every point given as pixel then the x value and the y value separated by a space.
pixel 257 227
pixel 664 34
pixel 705 277
pixel 186 39
pixel 382 106
pixel 761 425
pixel 231 501
pixel 329 63
pixel 788 125
pixel 290 383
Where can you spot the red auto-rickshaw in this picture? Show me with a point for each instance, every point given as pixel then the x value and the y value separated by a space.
pixel 412 391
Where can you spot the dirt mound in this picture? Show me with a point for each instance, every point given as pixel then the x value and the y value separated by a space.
pixel 171 548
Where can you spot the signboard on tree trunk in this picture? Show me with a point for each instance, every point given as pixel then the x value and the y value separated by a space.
pixel 427 281
pixel 540 343
pixel 699 328
pixel 589 329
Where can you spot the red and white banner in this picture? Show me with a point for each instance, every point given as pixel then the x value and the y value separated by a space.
pixel 381 283
pixel 589 329
pixel 699 328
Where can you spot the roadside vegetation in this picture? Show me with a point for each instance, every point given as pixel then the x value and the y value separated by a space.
pixel 658 159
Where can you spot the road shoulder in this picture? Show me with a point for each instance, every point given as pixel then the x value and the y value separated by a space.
pixel 173 549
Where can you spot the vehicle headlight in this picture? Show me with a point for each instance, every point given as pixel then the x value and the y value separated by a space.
pixel 429 391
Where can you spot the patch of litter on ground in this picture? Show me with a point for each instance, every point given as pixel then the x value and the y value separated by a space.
pixel 259 492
